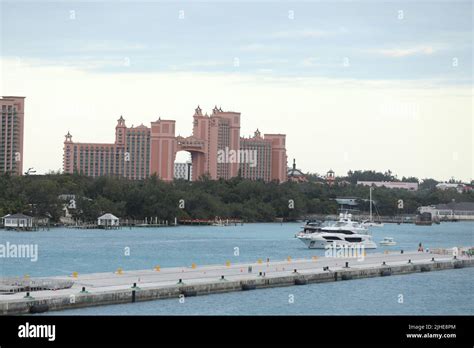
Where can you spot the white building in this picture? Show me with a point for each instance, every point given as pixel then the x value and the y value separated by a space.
pixel 411 186
pixel 183 171
pixel 453 186
pixel 352 201
pixel 450 211
pixel 108 220
pixel 17 221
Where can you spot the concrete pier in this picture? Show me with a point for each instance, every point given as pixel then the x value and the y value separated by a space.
pixel 123 286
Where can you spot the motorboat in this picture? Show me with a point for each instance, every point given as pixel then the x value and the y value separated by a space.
pixel 388 241
pixel 324 240
pixel 344 232
pixel 220 223
pixel 368 223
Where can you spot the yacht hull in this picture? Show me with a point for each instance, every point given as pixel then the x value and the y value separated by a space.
pixel 320 243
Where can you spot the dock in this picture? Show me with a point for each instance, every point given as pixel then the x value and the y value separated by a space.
pixel 128 286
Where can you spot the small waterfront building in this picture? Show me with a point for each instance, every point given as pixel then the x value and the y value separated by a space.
pixel 450 211
pixel 349 204
pixel 351 201
pixel 108 220
pixel 17 221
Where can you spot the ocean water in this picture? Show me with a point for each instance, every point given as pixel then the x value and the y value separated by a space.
pixel 63 251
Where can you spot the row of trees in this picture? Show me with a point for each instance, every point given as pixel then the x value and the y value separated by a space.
pixel 38 195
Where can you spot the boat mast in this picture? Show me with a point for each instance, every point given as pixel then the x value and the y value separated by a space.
pixel 370 196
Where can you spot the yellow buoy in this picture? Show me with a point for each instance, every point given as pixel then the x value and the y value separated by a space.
pixel 193 266
pixel 119 270
pixel 157 268
pixel 74 274
pixel 289 258
pixel 227 263
pixel 259 261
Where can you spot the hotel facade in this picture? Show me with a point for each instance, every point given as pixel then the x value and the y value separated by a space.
pixel 216 149
pixel 11 134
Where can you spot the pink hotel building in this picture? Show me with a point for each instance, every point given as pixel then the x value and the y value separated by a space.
pixel 139 152
pixel 12 115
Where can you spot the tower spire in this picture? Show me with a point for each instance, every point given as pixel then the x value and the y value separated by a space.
pixel 198 111
pixel 121 121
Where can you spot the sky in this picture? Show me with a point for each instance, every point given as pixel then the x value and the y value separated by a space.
pixel 353 84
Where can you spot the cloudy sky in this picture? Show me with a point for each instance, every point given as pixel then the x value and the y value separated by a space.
pixel 353 84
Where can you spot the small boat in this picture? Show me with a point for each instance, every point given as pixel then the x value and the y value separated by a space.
pixel 388 241
pixel 368 223
pixel 220 223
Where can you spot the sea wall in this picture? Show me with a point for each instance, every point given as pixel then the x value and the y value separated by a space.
pixel 56 303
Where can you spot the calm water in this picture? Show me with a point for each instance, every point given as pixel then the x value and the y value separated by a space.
pixel 62 251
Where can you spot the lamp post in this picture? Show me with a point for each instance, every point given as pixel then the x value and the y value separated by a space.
pixel 189 170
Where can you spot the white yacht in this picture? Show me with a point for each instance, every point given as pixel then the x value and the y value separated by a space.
pixel 344 232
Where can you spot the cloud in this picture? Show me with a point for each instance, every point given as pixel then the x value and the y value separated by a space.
pixel 82 62
pixel 310 62
pixel 302 34
pixel 309 33
pixel 254 47
pixel 271 61
pixel 109 47
pixel 405 52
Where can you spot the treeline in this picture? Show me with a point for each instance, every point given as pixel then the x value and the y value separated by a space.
pixel 38 195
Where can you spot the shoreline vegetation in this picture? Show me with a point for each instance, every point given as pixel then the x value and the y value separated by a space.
pixel 237 198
